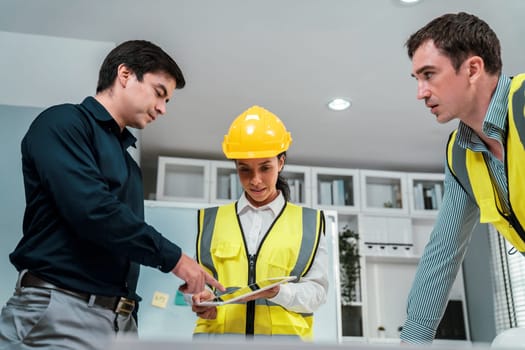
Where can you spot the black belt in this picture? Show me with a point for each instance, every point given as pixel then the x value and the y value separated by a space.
pixel 119 305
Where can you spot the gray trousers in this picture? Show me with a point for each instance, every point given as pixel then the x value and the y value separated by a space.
pixel 35 318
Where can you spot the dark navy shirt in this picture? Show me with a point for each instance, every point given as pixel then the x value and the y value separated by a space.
pixel 84 223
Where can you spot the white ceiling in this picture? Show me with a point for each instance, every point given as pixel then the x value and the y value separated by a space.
pixel 289 56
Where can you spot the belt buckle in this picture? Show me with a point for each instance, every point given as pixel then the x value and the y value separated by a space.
pixel 125 306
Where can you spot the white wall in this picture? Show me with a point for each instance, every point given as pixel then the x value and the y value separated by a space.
pixel 39 71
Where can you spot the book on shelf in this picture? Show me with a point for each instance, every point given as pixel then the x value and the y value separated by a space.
pixel 428 197
pixel 418 196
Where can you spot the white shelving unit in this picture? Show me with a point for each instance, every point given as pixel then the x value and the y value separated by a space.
pixel 300 181
pixel 214 181
pixel 384 192
pixel 224 184
pixel 336 188
pixel 183 179
pixel 393 213
pixel 425 192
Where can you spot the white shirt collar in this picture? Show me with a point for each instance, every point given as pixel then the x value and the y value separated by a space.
pixel 275 206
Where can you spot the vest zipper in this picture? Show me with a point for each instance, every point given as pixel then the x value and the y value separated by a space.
pixel 250 306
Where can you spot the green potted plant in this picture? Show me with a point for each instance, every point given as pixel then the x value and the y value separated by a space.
pixel 349 264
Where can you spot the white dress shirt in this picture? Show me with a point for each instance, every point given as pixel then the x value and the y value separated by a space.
pixel 310 292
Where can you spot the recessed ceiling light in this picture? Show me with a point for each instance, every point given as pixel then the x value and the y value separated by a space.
pixel 409 2
pixel 339 104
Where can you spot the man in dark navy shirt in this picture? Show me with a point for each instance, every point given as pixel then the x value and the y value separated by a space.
pixel 84 231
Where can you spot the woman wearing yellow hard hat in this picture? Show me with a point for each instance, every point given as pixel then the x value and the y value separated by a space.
pixel 261 236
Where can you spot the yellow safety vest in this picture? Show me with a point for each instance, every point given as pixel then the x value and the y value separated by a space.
pixel 470 170
pixel 288 249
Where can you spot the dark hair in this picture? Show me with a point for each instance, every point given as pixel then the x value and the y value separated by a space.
pixel 142 57
pixel 459 36
pixel 282 183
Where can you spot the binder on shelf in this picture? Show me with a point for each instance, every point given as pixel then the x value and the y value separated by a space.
pixel 325 195
pixel 430 198
pixel 418 196
pixel 433 198
pixel 338 192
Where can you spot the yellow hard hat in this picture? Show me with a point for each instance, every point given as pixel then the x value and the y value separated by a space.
pixel 256 133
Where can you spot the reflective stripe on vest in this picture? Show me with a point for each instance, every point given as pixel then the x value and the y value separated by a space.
pixel 470 170
pixel 288 249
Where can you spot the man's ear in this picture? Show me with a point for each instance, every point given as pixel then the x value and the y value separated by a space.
pixel 475 66
pixel 123 74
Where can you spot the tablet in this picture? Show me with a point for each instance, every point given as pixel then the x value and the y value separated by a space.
pixel 231 296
